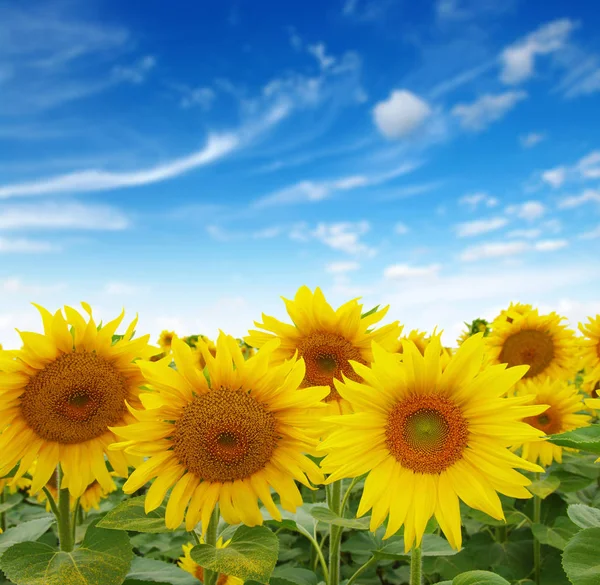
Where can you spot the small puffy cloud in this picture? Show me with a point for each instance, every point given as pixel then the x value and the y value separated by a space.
pixel 555 177
pixel 137 72
pixel 550 245
pixel 532 139
pixel 493 250
pixel 480 226
pixel 529 211
pixel 399 115
pixel 319 52
pixel 588 196
pixel 518 60
pixel 473 200
pixel 344 236
pixel 401 228
pixel 489 108
pixel 404 271
pixel 341 267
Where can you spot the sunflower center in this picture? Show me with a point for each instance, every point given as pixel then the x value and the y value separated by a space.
pixel 528 347
pixel 426 433
pixel 596 389
pixel 327 356
pixel 225 435
pixel 75 398
pixel 549 421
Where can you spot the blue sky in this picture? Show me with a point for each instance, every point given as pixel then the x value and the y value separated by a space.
pixel 193 162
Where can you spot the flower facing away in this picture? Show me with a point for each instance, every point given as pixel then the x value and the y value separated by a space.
pixel 589 346
pixel 429 435
pixel 327 339
pixel 60 393
pixel 476 326
pixel 227 441
pixel 538 341
pixel 193 568
pixel 563 414
pixel 165 340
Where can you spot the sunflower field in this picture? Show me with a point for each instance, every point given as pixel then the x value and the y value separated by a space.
pixel 328 449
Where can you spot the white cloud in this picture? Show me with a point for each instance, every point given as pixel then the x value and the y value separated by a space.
pixel 25 246
pixel 588 196
pixel 203 97
pixel 532 139
pixel 404 271
pixel 480 226
pixel 555 177
pixel 137 72
pixel 518 60
pixel 343 236
pixel 341 267
pixel 550 245
pixel 267 233
pixel 531 234
pixel 53 215
pixel 401 228
pixel 474 199
pixel 489 108
pixel 217 147
pixel 493 250
pixel 589 166
pixel 319 52
pixel 583 77
pixel 399 115
pixel 592 234
pixel 15 285
pixel 529 211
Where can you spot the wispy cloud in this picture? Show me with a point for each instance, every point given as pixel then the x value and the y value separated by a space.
pixel 480 226
pixel 592 234
pixel 473 200
pixel 16 285
pixel 135 73
pixel 341 267
pixel 405 271
pixel 343 236
pixel 588 196
pixel 532 139
pixel 506 249
pixel 123 289
pixel 25 246
pixel 529 210
pixel 586 168
pixel 487 109
pixel 555 177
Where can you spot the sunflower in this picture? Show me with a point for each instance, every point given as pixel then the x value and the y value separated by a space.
pixel 476 326
pixel 227 441
pixel 539 341
pixel 198 355
pixel 589 346
pixel 14 486
pixel 327 340
pixel 60 393
pixel 514 311
pixel 429 435
pixel 563 414
pixel 187 563
pixel 165 339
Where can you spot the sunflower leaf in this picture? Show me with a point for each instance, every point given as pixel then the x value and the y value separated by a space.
pixel 432 545
pixel 544 487
pixel 324 514
pixel 584 516
pixel 10 502
pixel 102 559
pixel 251 554
pixel 584 438
pixel 580 558
pixel 25 532
pixel 479 578
pixel 159 572
pixel 130 515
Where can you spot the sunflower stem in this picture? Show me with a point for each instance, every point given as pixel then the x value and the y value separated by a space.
pixel 372 561
pixel 3 514
pixel 335 534
pixel 537 547
pixel 211 577
pixel 347 494
pixel 65 531
pixel 416 566
pixel 76 518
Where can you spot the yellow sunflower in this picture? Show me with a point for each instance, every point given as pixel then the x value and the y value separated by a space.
pixel 589 346
pixel 198 355
pixel 229 441
pixel 193 568
pixel 563 414
pixel 429 435
pixel 539 341
pixel 327 340
pixel 476 326
pixel 514 311
pixel 14 486
pixel 60 393
pixel 165 340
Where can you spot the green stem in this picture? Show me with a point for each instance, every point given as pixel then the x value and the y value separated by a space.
pixel 195 537
pixel 372 561
pixel 211 577
pixel 537 547
pixel 3 514
pixel 347 494
pixel 318 549
pixel 65 531
pixel 76 519
pixel 416 567
pixel 335 534
pixel 500 533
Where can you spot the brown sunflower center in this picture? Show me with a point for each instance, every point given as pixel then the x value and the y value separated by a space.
pixel 528 347
pixel 426 433
pixel 595 389
pixel 75 398
pixel 550 421
pixel 327 356
pixel 225 435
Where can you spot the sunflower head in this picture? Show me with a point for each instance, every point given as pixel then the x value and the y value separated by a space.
pixel 563 413
pixel 328 340
pixel 60 393
pixel 433 430
pixel 589 346
pixel 190 566
pixel 538 341
pixel 514 311
pixel 165 339
pixel 227 437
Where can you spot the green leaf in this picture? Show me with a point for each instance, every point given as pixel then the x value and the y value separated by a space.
pixel 585 438
pixel 479 578
pixel 159 572
pixel 580 558
pixel 432 545
pixel 102 559
pixel 130 515
pixel 370 312
pixel 294 575
pixel 584 516
pixel 324 514
pixel 25 531
pixel 544 487
pixel 556 536
pixel 10 502
pixel 251 554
